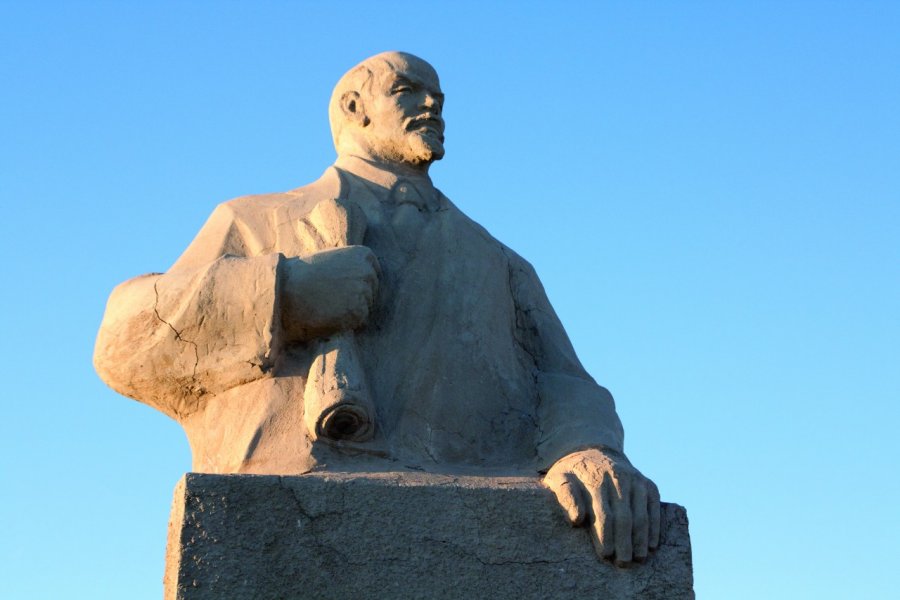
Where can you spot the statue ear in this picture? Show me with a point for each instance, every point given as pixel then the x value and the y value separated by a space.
pixel 353 108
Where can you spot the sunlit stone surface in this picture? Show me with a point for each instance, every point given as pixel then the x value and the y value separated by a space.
pixel 399 536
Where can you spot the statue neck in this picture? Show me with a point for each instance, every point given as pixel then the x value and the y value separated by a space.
pixel 381 173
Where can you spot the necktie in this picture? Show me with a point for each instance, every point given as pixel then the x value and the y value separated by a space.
pixel 411 208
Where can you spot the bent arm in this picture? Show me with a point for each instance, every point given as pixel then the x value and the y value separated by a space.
pixel 171 340
pixel 225 310
pixel 574 412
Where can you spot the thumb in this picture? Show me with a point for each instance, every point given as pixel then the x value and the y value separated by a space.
pixel 570 495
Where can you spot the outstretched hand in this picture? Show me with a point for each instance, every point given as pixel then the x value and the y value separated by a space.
pixel 602 490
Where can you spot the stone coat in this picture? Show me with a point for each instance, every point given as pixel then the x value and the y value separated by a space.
pixel 467 363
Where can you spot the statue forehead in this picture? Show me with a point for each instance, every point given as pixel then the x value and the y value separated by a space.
pixel 389 65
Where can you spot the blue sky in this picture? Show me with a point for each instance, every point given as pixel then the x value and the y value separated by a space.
pixel 710 192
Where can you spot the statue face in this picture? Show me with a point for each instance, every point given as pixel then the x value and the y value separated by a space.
pixel 404 109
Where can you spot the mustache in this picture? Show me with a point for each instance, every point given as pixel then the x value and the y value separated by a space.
pixel 434 121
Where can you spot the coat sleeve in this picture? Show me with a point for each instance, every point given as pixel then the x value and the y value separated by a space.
pixel 574 412
pixel 209 324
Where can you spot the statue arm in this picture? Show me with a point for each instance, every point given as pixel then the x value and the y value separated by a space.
pixel 580 436
pixel 209 324
pixel 225 310
pixel 574 412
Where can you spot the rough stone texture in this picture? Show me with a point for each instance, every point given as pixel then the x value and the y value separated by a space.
pixel 397 536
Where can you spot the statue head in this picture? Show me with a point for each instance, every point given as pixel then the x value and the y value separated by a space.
pixel 388 109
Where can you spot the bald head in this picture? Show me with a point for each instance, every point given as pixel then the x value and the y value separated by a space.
pixel 388 109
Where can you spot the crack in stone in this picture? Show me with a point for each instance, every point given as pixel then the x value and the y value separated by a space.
pixel 177 333
pixel 462 551
pixel 520 330
pixel 196 387
pixel 312 518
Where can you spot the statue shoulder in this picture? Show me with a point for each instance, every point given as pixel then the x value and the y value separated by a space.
pixel 299 200
pixel 462 220
pixel 249 225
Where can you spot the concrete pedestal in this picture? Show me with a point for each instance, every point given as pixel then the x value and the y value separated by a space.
pixel 398 536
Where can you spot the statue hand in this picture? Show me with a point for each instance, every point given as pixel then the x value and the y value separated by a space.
pixel 602 490
pixel 329 291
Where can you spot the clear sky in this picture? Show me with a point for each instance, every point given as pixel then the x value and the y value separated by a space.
pixel 710 192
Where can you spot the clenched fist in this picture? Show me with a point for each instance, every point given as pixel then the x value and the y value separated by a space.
pixel 328 291
pixel 600 489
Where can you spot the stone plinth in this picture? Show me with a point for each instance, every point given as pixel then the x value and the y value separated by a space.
pixel 398 536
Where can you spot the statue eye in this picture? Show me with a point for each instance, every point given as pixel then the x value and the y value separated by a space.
pixel 401 89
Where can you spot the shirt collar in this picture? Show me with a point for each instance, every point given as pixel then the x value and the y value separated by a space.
pixel 379 174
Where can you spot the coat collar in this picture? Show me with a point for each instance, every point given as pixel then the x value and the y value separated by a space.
pixel 379 174
pixel 393 186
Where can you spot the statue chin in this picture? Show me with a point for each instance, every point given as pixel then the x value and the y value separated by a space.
pixel 413 149
pixel 422 149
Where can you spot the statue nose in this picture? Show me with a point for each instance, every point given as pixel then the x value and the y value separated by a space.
pixel 431 103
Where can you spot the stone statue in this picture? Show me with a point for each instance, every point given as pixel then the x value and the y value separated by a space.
pixel 362 322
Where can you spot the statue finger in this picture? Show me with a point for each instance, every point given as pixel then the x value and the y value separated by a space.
pixel 602 519
pixel 622 522
pixel 373 262
pixel 640 516
pixel 570 495
pixel 653 510
pixel 368 294
pixel 370 277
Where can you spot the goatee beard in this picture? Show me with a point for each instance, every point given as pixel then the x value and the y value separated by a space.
pixel 411 149
pixel 423 148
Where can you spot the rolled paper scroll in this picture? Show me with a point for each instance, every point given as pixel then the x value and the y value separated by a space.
pixel 336 397
pixel 337 404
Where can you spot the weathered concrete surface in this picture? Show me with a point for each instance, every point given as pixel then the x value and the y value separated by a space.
pixel 364 315
pixel 398 536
